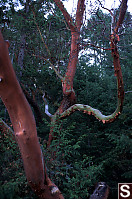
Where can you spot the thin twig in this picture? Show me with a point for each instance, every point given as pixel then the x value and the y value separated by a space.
pixel 105 8
pixel 41 34
pixel 97 46
pixel 46 49
pixel 53 67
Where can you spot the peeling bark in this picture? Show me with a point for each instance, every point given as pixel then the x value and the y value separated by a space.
pixel 122 13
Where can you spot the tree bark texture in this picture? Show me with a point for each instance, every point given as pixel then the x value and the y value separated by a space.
pixel 69 96
pixel 24 128
pixel 68 105
pixel 67 82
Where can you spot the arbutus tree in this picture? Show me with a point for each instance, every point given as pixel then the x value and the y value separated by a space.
pixel 20 112
pixel 67 81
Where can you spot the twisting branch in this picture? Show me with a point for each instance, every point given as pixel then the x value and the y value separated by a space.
pixel 90 111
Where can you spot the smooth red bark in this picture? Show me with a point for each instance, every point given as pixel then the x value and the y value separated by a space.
pixel 24 128
pixel 69 97
pixel 67 83
pixel 122 13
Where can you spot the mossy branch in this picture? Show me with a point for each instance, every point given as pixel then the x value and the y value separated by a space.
pixel 91 111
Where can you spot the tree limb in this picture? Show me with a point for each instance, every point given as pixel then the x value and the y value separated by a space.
pixel 123 9
pixel 79 14
pixel 105 8
pixel 67 82
pixel 66 15
pixel 90 111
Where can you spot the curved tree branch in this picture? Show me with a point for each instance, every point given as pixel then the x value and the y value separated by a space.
pixel 105 8
pixel 68 105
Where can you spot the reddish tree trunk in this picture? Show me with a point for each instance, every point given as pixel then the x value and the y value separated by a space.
pixel 69 97
pixel 67 83
pixel 24 128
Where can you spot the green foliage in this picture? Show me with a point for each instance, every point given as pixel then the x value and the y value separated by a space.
pixel 64 167
pixel 13 184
